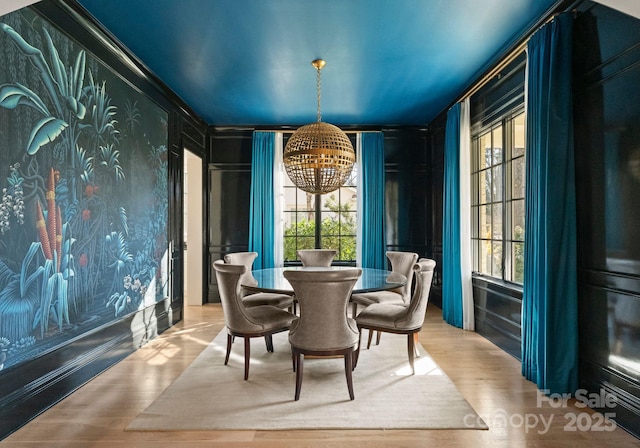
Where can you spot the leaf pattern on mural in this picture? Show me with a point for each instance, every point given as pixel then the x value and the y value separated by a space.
pixel 83 211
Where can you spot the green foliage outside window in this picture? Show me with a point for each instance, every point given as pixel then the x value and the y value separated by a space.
pixel 519 255
pixel 338 230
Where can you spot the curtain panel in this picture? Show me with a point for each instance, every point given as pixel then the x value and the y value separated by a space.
pixel 263 198
pixel 549 304
pixel 371 242
pixel 279 174
pixel 457 294
pixel 466 265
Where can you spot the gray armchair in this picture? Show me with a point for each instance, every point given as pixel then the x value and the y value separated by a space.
pixel 252 298
pixel 401 319
pixel 316 257
pixel 323 328
pixel 247 323
pixel 402 263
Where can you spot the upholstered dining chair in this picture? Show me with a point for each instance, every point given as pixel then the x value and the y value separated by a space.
pixel 401 263
pixel 323 328
pixel 400 319
pixel 316 257
pixel 247 323
pixel 252 298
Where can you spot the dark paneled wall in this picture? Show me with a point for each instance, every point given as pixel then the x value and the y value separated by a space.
pixel 497 308
pixel 607 139
pixel 408 194
pixel 408 203
pixel 229 195
pixel 504 92
pixel 436 174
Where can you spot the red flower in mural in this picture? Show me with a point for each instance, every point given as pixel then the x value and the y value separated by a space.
pixel 83 260
pixel 86 215
pixel 88 191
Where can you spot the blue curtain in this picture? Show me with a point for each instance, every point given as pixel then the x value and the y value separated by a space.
pixel 372 189
pixel 451 264
pixel 261 209
pixel 549 303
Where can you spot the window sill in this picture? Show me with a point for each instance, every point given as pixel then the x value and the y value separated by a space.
pixel 477 277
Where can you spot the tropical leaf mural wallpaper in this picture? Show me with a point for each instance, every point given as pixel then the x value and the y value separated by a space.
pixel 83 191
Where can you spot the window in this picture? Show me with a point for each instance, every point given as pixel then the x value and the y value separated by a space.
pixel 336 213
pixel 497 202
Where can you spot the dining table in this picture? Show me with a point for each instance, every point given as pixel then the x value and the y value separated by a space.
pixel 273 280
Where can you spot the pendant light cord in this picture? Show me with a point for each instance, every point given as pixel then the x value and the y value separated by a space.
pixel 318 89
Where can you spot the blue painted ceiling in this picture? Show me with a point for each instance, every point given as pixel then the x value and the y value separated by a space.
pixel 248 62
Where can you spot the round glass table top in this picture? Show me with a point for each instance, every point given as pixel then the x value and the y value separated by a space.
pixel 272 279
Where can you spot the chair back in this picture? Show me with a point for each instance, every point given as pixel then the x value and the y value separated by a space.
pixel 403 263
pixel 316 257
pixel 414 316
pixel 323 296
pixel 235 316
pixel 246 259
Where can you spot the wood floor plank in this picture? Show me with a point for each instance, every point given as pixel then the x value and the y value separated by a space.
pixel 97 414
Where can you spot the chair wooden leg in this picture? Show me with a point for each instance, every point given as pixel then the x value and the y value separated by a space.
pixel 369 340
pixel 378 337
pixel 355 360
pixel 247 356
pixel 299 364
pixel 354 310
pixel 416 341
pixel 229 342
pixel 269 342
pixel 410 350
pixel 348 367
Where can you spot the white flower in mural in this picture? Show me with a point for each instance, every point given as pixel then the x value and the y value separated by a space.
pixel 127 282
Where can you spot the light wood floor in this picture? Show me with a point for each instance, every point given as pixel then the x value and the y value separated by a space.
pixel 97 414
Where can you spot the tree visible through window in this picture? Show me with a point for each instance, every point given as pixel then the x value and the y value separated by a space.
pixel 336 213
pixel 497 207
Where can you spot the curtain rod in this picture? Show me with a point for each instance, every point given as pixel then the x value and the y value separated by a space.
pixel 555 10
pixel 497 69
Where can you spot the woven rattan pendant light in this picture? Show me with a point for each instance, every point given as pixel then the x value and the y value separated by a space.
pixel 319 157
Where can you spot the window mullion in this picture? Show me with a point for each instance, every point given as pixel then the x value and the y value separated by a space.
pixel 506 199
pixel 318 218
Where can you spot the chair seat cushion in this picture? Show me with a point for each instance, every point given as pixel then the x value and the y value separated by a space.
pixel 386 297
pixel 268 318
pixel 383 316
pixel 267 298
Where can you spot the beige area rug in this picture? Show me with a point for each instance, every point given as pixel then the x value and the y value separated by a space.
pixel 211 396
